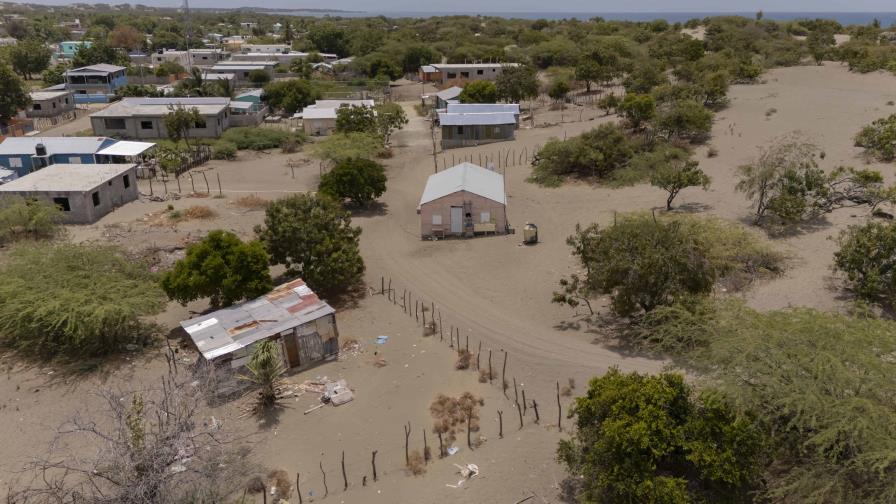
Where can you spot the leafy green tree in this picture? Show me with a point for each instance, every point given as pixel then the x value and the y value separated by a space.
pixel 644 77
pixel 675 176
pixel 328 38
pixel 417 55
pixel 356 119
pixel 653 439
pixel 14 95
pixel 379 64
pixel 220 267
pixel 28 219
pixel 54 75
pixel 139 90
pixel 480 91
pixel 713 88
pixel 638 109
pixel 314 238
pixel 516 84
pixel 290 95
pixel 685 119
pixel 596 154
pixel 820 42
pixel 641 263
pixel 180 120
pixel 126 37
pixel 74 300
pixel 29 57
pixel 359 181
pixel 879 139
pixel 558 90
pixel 265 371
pixel 589 72
pixel 867 256
pixel 259 77
pixel 390 116
pixel 98 52
pixel 167 68
pixel 609 103
pixel 164 39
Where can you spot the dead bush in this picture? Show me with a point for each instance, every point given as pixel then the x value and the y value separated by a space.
pixel 463 359
pixel 416 464
pixel 484 376
pixel 195 212
pixel 450 414
pixel 279 480
pixel 251 202
pixel 566 391
pixel 572 383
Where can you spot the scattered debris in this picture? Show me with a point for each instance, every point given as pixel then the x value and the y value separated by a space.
pixel 466 471
pixel 381 340
pixel 380 363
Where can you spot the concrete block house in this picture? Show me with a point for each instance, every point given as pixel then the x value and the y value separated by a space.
pixel 463 201
pixel 139 118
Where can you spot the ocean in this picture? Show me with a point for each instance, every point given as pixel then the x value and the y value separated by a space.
pixel 845 18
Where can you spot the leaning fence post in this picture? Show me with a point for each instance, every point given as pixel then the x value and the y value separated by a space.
pixel 373 463
pixel 503 372
pixel 559 408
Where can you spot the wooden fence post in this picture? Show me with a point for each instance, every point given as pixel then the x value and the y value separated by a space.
pixel 344 477
pixel 524 401
pixel 298 488
pixel 500 424
pixel 520 412
pixel 535 408
pixel 477 355
pixel 559 409
pixel 489 365
pixel 503 371
pixel 373 463
pixel 407 437
pixel 326 490
pixel 516 395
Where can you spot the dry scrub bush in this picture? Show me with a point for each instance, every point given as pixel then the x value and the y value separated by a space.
pixel 484 376
pixel 279 480
pixel 251 202
pixel 450 414
pixel 199 212
pixel 416 464
pixel 463 360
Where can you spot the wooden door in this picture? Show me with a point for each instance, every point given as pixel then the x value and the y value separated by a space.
pixel 457 219
pixel 311 348
pixel 292 349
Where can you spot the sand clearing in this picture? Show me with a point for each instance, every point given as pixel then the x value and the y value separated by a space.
pixel 492 289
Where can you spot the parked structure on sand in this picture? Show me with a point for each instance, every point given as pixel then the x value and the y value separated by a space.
pixel 464 200
pixel 84 192
pixel 467 125
pixel 292 314
pixel 447 72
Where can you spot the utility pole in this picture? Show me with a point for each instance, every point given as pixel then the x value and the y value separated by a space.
pixel 189 27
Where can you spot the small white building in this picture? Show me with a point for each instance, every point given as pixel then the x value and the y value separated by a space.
pixel 320 119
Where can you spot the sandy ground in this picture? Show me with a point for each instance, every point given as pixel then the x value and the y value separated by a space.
pixel 492 289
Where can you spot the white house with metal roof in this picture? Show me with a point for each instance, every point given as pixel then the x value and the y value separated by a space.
pixel 466 125
pixel 320 119
pixel 138 118
pixel 84 192
pixel 292 315
pixel 464 200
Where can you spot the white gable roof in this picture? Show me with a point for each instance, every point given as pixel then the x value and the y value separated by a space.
pixel 465 177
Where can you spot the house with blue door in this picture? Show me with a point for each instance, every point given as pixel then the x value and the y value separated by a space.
pixel 95 83
pixel 24 155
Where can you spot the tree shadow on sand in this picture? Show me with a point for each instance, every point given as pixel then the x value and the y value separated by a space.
pixel 375 209
pixel 780 231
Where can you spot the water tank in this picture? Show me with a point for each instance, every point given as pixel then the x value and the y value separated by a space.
pixel 530 233
pixel 40 150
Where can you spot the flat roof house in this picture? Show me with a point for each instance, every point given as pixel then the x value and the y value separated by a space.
pixel 85 193
pixel 464 200
pixel 265 48
pixel 291 315
pixel 50 103
pixel 139 118
pixel 320 119
pixel 27 154
pixel 446 72
pixel 68 48
pixel 242 69
pixel 95 83
pixel 476 128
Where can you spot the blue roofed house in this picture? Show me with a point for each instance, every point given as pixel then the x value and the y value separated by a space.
pixel 95 83
pixel 24 155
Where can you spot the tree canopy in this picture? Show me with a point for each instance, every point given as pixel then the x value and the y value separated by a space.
pixel 220 267
pixel 480 91
pixel 14 95
pixel 360 181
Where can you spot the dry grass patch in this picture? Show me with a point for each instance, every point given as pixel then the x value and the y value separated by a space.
pixel 251 202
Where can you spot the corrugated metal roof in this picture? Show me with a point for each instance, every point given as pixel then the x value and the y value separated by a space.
pixel 477 119
pixel 456 66
pixel 481 108
pixel 54 145
pixel 450 93
pixel 100 68
pixel 225 331
pixel 465 177
pixel 66 178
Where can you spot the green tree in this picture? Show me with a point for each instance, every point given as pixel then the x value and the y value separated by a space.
pixel 677 175
pixel 417 55
pixel 97 52
pixel 516 84
pixel 653 439
pixel 75 300
pixel 166 68
pixel 589 72
pixel 558 90
pixel 644 77
pixel 180 120
pixel 641 263
pixel 14 95
pixel 879 139
pixel 220 267
pixel 638 109
pixel 390 116
pixel 596 153
pixel 54 75
pixel 327 38
pixel 359 181
pixel 480 91
pixel 609 103
pixel 126 37
pixel 820 41
pixel 265 370
pixel 314 238
pixel 713 88
pixel 356 119
pixel 684 119
pixel 28 219
pixel 867 256
pixel 29 57
pixel 259 77
pixel 290 95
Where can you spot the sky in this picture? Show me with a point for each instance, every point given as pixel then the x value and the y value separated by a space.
pixel 595 6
